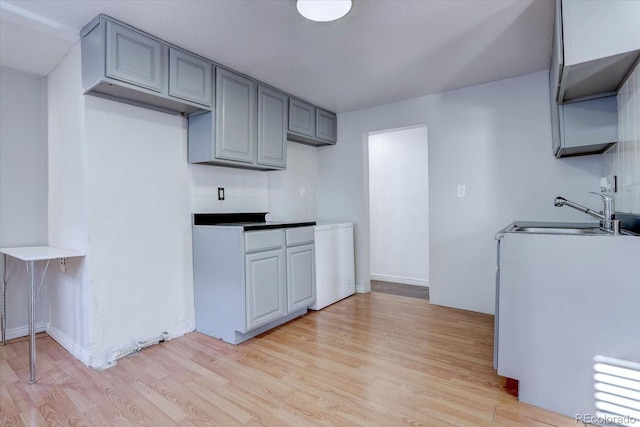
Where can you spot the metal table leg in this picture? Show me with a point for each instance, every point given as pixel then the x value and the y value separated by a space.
pixel 32 315
pixel 3 319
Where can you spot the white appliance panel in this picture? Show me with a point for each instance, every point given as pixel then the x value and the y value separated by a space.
pixel 335 271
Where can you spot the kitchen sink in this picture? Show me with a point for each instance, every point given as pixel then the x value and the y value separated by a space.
pixel 560 230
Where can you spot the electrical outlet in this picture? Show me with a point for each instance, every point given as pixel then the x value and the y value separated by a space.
pixel 220 193
pixel 63 264
pixel 462 190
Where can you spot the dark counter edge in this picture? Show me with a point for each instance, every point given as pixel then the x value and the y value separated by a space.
pixel 270 225
pixel 227 218
pixel 248 221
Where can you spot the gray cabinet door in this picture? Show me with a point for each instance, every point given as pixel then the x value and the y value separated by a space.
pixel 236 99
pixel 190 77
pixel 265 287
pixel 133 57
pixel 326 125
pixel 302 118
pixel 272 128
pixel 301 277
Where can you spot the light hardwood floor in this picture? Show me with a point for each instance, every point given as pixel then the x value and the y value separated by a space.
pixel 370 360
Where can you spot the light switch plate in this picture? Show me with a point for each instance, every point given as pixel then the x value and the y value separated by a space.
pixel 462 190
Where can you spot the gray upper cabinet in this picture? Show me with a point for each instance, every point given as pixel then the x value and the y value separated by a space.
pixel 127 65
pixel 236 101
pixel 302 118
pixel 596 45
pixel 311 125
pixel 589 62
pixel 133 57
pixel 326 126
pixel 190 77
pixel 233 120
pixel 272 128
pixel 248 129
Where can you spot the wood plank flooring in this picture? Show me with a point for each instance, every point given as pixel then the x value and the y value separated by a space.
pixel 401 289
pixel 370 360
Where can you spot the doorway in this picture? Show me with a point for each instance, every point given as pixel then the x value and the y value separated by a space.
pixel 399 211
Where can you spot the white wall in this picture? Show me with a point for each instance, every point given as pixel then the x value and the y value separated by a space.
pixel 285 200
pixel 23 186
pixel 399 206
pixel 496 139
pixel 69 294
pixel 138 210
pixel 623 159
pixel 119 182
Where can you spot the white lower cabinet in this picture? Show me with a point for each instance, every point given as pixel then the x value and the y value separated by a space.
pixel 265 287
pixel 247 282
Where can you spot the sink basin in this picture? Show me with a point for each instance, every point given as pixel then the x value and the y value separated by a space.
pixel 560 230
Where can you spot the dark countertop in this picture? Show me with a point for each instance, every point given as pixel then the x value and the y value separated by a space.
pixel 248 221
pixel 252 226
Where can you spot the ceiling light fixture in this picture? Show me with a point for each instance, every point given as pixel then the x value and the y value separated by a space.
pixel 323 10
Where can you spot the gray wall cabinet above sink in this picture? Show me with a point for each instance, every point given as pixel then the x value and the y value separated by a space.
pixel 311 125
pixel 585 127
pixel 122 63
pixel 596 44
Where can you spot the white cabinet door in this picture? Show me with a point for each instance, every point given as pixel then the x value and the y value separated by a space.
pixel 301 277
pixel 265 287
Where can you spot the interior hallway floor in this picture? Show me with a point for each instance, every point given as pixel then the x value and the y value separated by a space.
pixel 370 360
pixel 400 289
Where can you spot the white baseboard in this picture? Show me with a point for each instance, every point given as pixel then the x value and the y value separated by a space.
pixel 23 331
pixel 398 279
pixel 69 345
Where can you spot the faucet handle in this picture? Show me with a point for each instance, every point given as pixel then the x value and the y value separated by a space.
pixel 605 197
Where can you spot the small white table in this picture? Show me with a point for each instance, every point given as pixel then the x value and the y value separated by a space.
pixel 30 254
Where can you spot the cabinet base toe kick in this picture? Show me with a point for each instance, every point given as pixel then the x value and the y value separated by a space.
pixel 235 337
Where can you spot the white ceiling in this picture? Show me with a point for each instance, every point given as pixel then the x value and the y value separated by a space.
pixel 382 51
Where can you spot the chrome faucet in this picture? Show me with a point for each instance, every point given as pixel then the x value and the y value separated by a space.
pixel 606 216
